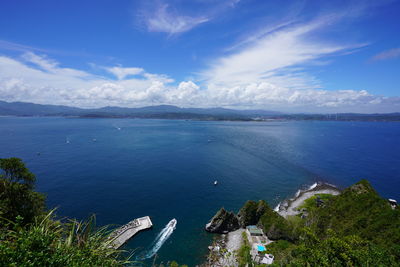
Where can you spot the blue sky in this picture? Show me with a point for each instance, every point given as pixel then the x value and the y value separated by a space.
pixel 296 56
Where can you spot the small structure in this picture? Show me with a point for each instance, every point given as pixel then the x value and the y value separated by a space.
pixel 254 230
pixel 260 256
pixel 127 231
pixel 267 259
pixel 392 203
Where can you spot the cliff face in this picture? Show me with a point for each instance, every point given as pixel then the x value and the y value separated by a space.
pixel 251 212
pixel 223 222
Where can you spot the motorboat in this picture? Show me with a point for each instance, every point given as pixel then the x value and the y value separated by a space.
pixel 172 224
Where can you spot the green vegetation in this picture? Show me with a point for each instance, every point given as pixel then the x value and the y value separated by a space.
pixel 251 212
pixel 17 197
pixel 355 228
pixel 243 254
pixel 312 202
pixel 276 227
pixel 31 236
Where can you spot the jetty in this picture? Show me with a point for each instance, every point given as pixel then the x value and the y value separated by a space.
pixel 127 231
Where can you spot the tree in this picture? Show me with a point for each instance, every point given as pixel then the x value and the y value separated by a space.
pixel 17 197
pixel 15 171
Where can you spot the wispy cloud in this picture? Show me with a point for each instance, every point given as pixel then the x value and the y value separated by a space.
pixel 159 16
pixel 165 20
pixel 275 56
pixel 121 72
pixel 6 45
pixel 388 54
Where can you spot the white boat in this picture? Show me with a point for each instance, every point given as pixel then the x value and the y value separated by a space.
pixel 215 182
pixel 172 224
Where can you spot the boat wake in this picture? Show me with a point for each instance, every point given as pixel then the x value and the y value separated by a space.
pixel 161 238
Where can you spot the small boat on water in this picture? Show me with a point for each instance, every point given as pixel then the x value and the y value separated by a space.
pixel 215 182
pixel 172 224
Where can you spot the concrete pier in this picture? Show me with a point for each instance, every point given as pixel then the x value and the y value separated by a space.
pixel 127 231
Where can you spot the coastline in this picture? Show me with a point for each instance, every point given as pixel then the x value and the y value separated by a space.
pixel 289 207
pixel 222 252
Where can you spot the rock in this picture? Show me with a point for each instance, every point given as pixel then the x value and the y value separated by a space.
pixel 251 212
pixel 223 222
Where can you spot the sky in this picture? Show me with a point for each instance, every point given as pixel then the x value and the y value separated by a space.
pixel 283 55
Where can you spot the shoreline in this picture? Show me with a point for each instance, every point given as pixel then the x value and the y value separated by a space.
pixel 222 252
pixel 223 248
pixel 289 207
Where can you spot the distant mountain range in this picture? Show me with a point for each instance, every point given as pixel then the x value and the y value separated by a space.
pixel 161 111
pixel 173 112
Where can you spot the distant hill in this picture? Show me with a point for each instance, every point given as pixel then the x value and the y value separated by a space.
pixel 160 111
pixel 30 109
pixel 174 112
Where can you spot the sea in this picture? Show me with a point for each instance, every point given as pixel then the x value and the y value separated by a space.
pixel 121 169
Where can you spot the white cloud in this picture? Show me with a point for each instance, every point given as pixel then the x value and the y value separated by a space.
pixel 273 57
pixel 41 61
pixel 177 16
pixel 388 54
pixel 121 72
pixel 164 20
pixel 47 82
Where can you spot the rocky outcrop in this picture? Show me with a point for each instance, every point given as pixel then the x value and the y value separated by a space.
pixel 251 212
pixel 223 222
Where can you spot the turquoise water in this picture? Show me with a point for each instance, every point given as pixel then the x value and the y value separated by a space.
pixel 122 169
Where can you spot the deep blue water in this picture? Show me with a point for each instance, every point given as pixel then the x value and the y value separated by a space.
pixel 166 168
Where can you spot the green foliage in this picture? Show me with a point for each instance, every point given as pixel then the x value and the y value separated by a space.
pixel 17 197
pixel 346 251
pixel 281 249
pixel 47 242
pixel 31 237
pixel 276 227
pixel 359 210
pixel 15 171
pixel 243 254
pixel 311 203
pixel 355 228
pixel 251 212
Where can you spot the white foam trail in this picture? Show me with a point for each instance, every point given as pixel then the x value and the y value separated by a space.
pixel 161 238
